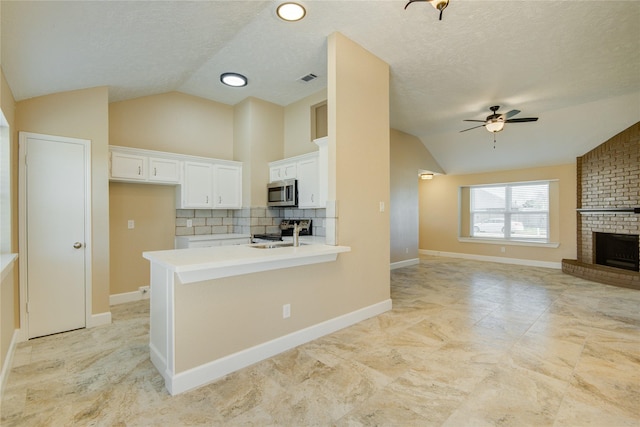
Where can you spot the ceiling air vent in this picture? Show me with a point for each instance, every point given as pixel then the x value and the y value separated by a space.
pixel 308 78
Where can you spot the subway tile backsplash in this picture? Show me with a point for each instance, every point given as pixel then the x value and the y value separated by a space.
pixel 255 220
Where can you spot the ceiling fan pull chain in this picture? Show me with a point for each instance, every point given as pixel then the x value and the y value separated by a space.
pixel 494 140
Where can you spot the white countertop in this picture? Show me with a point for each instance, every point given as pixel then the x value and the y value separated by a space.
pixel 198 264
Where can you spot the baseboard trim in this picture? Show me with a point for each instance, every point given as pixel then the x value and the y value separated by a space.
pixel 8 361
pixel 216 369
pixel 405 263
pixel 125 297
pixel 502 260
pixel 99 319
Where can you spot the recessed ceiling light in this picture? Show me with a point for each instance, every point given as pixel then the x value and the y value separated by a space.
pixel 233 79
pixel 291 11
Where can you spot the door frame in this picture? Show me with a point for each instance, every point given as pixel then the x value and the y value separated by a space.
pixel 22 225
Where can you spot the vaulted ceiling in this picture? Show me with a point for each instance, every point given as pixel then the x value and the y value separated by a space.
pixel 573 64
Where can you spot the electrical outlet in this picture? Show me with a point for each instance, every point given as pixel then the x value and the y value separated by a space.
pixel 503 249
pixel 189 223
pixel 381 206
pixel 286 311
pixel 131 224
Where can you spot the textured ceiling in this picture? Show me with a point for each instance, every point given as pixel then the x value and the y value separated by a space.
pixel 574 64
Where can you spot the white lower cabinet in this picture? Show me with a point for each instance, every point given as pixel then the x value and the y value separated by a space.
pixel 210 240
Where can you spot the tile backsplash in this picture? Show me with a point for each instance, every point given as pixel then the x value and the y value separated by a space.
pixel 255 220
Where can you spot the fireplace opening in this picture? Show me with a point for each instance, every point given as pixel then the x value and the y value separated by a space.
pixel 617 250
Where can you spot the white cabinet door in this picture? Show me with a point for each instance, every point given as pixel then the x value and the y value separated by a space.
pixel 308 183
pixel 275 173
pixel 282 171
pixel 128 166
pixel 227 187
pixel 164 170
pixel 198 185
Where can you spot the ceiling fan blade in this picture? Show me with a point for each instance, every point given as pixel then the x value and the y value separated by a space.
pixel 412 1
pixel 472 128
pixel 510 114
pixel 522 120
pixel 479 121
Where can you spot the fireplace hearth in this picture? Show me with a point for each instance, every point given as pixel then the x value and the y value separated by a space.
pixel 617 250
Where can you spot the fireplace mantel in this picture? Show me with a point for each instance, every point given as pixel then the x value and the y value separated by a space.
pixel 608 210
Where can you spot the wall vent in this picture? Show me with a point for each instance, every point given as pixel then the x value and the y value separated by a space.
pixel 308 78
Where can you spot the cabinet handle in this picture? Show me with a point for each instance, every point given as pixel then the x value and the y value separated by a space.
pixel 207 200
pixel 155 172
pixel 219 199
pixel 312 198
pixel 139 170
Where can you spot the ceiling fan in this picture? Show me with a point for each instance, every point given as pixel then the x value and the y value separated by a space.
pixel 438 4
pixel 495 122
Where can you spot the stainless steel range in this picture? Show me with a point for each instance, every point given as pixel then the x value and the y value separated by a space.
pixel 286 229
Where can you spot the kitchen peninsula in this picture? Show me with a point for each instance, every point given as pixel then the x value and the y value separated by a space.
pixel 215 310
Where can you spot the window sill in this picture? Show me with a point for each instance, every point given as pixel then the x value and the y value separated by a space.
pixel 508 242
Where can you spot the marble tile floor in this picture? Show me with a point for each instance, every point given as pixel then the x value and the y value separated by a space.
pixel 467 344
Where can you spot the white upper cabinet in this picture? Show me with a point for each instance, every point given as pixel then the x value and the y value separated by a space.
pixel 311 171
pixel 227 186
pixel 128 167
pixel 197 188
pixel 308 181
pixel 281 170
pixel 201 182
pixel 164 170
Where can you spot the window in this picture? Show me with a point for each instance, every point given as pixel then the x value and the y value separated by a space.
pixel 518 211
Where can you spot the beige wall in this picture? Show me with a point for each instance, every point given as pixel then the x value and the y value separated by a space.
pixel 298 138
pixel 81 114
pixel 244 311
pixel 259 130
pixel 439 221
pixel 9 284
pixel 408 156
pixel 358 117
pixel 152 207
pixel 173 122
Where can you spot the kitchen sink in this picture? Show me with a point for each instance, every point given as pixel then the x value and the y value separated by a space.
pixel 274 245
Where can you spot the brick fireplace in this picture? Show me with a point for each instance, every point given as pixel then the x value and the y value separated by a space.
pixel 609 209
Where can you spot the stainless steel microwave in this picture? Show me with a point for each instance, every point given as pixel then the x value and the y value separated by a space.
pixel 282 193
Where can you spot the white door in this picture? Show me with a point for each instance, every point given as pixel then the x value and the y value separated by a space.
pixel 55 192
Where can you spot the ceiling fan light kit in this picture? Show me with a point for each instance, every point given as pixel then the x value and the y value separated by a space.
pixel 439 5
pixel 494 122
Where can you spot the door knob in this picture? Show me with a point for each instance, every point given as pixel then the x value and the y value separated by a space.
pixel 77 245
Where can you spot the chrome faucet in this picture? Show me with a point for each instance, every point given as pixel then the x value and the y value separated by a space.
pixel 296 235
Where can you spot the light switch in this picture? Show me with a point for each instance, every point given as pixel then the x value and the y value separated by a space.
pixel 381 206
pixel 131 224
